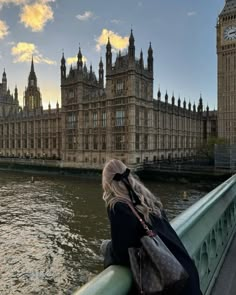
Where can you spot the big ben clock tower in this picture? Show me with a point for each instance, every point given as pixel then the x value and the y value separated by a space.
pixel 226 72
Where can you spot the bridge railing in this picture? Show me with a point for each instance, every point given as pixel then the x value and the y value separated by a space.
pixel 206 229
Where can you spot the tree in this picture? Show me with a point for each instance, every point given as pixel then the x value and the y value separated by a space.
pixel 207 148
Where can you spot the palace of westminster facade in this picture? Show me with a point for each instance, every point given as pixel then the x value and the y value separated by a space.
pixel 99 120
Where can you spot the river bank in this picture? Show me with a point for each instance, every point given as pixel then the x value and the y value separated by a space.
pixel 54 167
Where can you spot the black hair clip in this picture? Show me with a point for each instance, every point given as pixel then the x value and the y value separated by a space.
pixel 119 176
pixel 124 178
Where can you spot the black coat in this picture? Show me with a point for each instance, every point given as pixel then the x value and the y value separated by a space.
pixel 126 231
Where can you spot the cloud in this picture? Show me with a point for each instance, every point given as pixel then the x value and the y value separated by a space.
pixel 116 21
pixel 10 43
pixel 22 2
pixel 35 16
pixel 15 2
pixel 46 1
pixel 86 16
pixel 118 42
pixel 191 13
pixel 3 29
pixel 71 60
pixel 24 51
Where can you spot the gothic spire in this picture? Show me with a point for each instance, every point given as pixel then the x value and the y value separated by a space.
pixel 32 65
pixel 159 94
pixel 101 73
pixel 150 58
pixel 108 56
pixel 131 38
pixel 141 59
pixel 131 48
pixel 32 80
pixel 63 61
pixel 166 97
pixel 101 63
pixel 79 61
pixel 108 44
pixel 63 67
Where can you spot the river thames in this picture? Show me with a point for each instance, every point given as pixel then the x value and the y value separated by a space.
pixel 52 228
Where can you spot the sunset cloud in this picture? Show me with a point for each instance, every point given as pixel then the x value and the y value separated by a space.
pixel 118 42
pixel 3 29
pixel 35 16
pixel 24 51
pixel 71 60
pixel 86 16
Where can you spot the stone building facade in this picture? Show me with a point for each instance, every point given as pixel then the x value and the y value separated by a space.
pixel 99 120
pixel 31 132
pixel 123 120
pixel 9 103
pixel 226 72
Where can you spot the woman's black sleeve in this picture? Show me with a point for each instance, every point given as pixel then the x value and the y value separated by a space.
pixel 125 232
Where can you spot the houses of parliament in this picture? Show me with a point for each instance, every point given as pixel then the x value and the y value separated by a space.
pixel 112 115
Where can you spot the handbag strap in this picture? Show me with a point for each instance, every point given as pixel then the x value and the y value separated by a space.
pixel 148 231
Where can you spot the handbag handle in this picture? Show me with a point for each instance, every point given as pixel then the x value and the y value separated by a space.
pixel 148 231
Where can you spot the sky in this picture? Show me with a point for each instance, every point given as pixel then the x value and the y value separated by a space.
pixel 182 34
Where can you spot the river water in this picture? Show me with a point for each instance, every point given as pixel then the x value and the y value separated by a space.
pixel 51 229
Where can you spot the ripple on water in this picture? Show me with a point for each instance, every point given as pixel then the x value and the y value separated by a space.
pixel 51 230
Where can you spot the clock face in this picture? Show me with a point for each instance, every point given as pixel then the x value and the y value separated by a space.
pixel 230 33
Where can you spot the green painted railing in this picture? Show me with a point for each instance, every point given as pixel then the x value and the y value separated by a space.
pixel 206 229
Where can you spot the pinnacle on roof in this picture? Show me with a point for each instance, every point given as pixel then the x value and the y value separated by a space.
pixel 32 65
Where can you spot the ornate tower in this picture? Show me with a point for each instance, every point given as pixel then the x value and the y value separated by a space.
pixel 4 83
pixel 226 71
pixel 131 49
pixel 63 67
pixel 16 94
pixel 150 59
pixel 108 57
pixel 101 74
pixel 79 61
pixel 32 97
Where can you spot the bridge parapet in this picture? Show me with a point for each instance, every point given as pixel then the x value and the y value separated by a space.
pixel 206 229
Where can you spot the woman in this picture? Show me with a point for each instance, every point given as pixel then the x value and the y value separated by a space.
pixel 120 187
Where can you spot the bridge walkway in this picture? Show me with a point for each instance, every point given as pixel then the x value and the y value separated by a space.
pixel 226 280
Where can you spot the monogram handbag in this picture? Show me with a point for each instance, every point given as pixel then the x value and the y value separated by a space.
pixel 155 269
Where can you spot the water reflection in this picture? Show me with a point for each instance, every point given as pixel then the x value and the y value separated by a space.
pixel 51 229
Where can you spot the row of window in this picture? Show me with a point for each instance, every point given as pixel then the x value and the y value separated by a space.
pixel 161 121
pixel 165 142
pixel 90 160
pixel 144 118
pixel 141 143
pixel 29 143
pixel 119 119
pixel 30 127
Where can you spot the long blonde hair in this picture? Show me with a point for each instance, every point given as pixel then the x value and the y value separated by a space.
pixel 115 191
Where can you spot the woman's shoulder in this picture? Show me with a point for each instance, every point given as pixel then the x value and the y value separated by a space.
pixel 120 209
